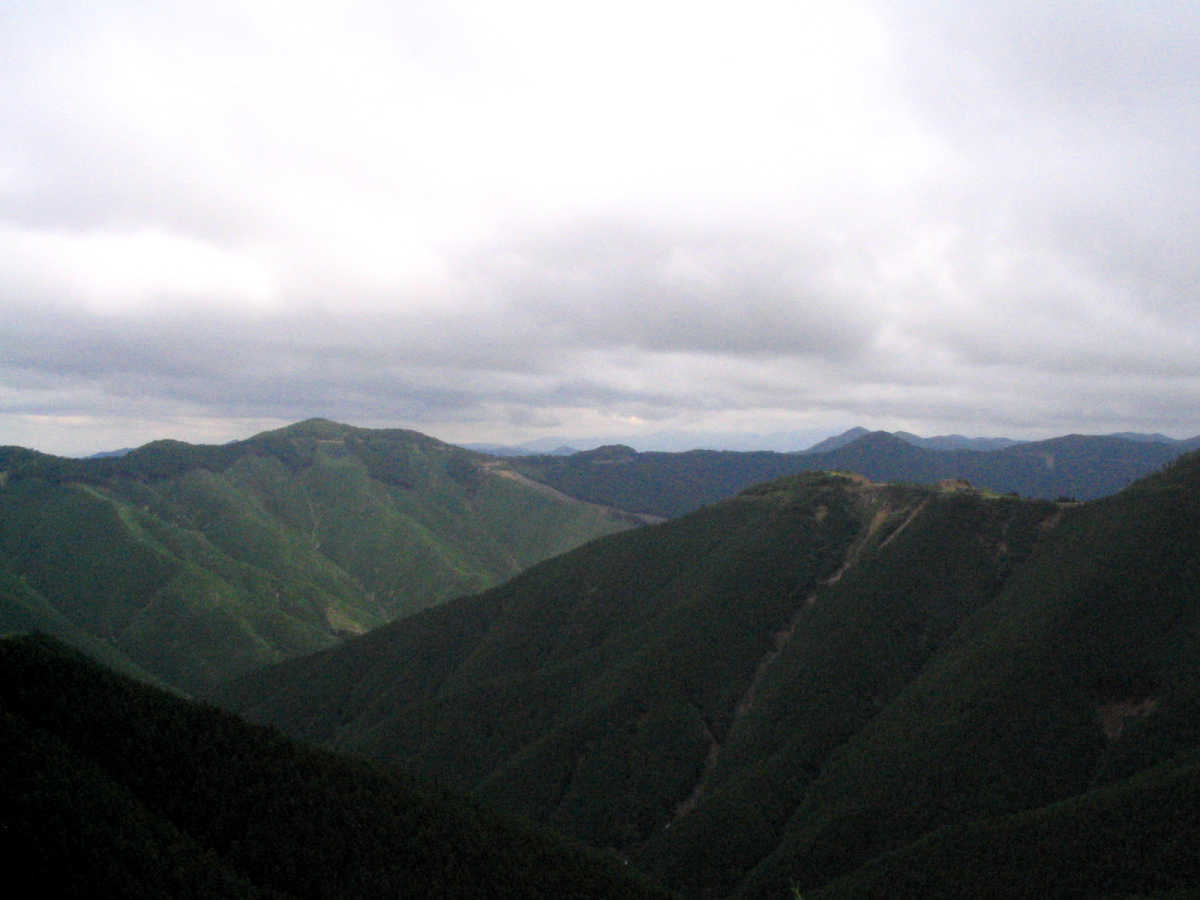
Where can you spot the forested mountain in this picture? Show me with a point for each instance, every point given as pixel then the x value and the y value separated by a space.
pixel 192 563
pixel 111 788
pixel 670 484
pixel 822 683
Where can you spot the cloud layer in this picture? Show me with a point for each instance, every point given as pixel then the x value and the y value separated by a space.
pixel 493 222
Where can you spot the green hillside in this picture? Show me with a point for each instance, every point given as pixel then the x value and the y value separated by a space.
pixel 110 788
pixel 194 563
pixel 818 684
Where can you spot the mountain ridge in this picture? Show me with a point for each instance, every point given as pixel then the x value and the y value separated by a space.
pixel 191 562
pixel 786 687
pixel 1082 467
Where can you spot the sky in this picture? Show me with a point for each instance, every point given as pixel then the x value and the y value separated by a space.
pixel 655 221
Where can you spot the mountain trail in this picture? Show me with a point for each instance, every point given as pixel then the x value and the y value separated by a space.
pixel 912 515
pixel 686 805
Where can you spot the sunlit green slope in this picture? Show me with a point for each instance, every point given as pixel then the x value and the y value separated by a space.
pixel 198 562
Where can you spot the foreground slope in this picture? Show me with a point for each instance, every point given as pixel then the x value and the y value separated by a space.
pixel 112 788
pixel 822 682
pixel 194 563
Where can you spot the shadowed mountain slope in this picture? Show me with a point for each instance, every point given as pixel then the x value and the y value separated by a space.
pixel 818 676
pixel 194 563
pixel 1082 673
pixel 110 788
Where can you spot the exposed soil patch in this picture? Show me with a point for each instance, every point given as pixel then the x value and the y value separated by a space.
pixel 952 485
pixel 912 515
pixel 686 805
pixel 1113 716
pixel 1051 521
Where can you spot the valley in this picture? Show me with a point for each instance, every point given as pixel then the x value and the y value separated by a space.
pixel 823 681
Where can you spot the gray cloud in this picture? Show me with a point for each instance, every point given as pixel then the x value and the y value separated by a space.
pixel 932 216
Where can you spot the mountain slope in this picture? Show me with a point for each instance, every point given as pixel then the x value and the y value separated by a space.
pixel 112 788
pixel 1083 671
pixel 636 637
pixel 1132 838
pixel 601 690
pixel 820 676
pixel 195 563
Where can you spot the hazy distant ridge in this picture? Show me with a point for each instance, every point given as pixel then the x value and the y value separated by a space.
pixel 669 484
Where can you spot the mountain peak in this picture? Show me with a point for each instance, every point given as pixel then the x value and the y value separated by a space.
pixel 838 440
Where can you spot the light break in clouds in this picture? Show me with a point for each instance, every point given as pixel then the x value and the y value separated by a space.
pixel 493 222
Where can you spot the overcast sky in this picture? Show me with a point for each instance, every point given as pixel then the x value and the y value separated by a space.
pixel 500 221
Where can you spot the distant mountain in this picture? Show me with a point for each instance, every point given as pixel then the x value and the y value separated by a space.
pixel 845 687
pixel 520 450
pixel 192 563
pixel 839 440
pixel 106 454
pixel 941 442
pixel 109 788
pixel 670 484
pixel 1145 438
pixel 657 483
pixel 956 442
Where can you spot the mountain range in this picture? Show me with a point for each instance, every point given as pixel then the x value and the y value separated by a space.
pixel 824 683
pixel 831 682
pixel 1082 467
pixel 188 564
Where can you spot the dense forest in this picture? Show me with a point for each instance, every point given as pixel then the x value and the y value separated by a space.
pixel 816 683
pixel 194 563
pixel 111 788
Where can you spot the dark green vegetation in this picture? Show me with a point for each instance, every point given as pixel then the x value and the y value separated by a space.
pixel 111 788
pixel 669 484
pixel 849 688
pixel 194 563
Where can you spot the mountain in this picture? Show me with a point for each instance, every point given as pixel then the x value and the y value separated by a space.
pixel 110 788
pixel 839 440
pixel 824 683
pixel 657 483
pixel 956 442
pixel 1155 438
pixel 939 442
pixel 193 563
pixel 670 484
pixel 105 454
pixel 1078 466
